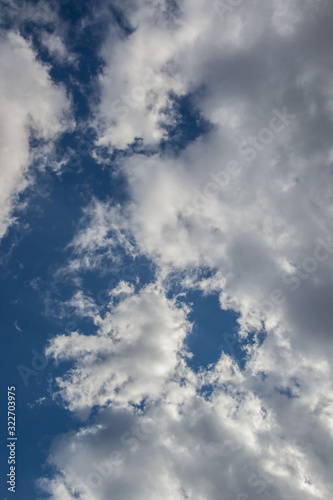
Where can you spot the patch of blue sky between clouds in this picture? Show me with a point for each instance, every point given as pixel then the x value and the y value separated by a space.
pixel 189 126
pixel 214 331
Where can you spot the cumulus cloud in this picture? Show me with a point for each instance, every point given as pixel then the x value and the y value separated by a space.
pixel 135 351
pixel 251 200
pixel 186 445
pixel 30 103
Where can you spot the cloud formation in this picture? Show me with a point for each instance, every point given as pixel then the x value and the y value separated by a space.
pixel 135 351
pixel 250 200
pixel 31 105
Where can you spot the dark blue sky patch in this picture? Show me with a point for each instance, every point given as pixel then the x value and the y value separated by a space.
pixel 87 179
pixel 45 227
pixel 214 331
pixel 206 391
pixel 190 124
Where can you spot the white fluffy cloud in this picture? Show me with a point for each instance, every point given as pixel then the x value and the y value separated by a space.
pixel 252 201
pixel 253 197
pixel 239 440
pixel 29 102
pixel 135 351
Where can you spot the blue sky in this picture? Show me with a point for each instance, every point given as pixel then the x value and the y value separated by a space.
pixel 165 248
